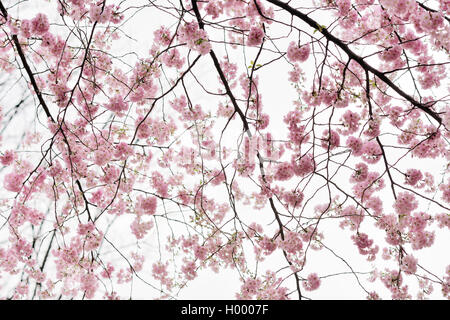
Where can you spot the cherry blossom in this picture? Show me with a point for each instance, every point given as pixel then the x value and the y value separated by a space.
pixel 283 143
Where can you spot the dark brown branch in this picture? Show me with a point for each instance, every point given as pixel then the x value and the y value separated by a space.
pixel 27 67
pixel 246 129
pixel 220 72
pixel 357 58
pixel 431 10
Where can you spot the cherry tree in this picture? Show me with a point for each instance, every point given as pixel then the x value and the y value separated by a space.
pixel 302 145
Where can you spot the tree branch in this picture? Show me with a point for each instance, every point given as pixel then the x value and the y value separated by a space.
pixel 27 67
pixel 352 55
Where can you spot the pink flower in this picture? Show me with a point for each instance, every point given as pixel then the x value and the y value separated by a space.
pixel 356 145
pixel 296 131
pixel 255 36
pixel 373 128
pixel 413 176
pixel 84 229
pixel 284 171
pixel 7 158
pixel 146 205
pixel 48 39
pixel 409 264
pixel 140 228
pixel 196 38
pixel 123 151
pixel 102 14
pixel 39 24
pixel 172 59
pixel 445 188
pixel 292 242
pixel 296 53
pixel 443 219
pixel 267 245
pixel 371 152
pixel 312 282
pixel 420 240
pixel 13 181
pixel 203 46
pixel 330 141
pixel 364 244
pixel 263 121
pixel 162 36
pixel 293 198
pixel 419 221
pixel 200 252
pixel 391 54
pixel 189 270
pixel 294 75
pixel 343 6
pixel 21 213
pixel 117 104
pixel 303 166
pixel 218 177
pixel 360 174
pixel 351 121
pixel 405 203
pixel 25 28
pixel 214 8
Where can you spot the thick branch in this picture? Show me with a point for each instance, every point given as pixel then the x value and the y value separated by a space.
pixel 220 72
pixel 246 129
pixel 27 67
pixel 431 10
pixel 357 58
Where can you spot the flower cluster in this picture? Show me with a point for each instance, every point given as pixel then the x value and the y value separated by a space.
pixel 312 282
pixel 298 54
pixel 255 36
pixel 196 38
